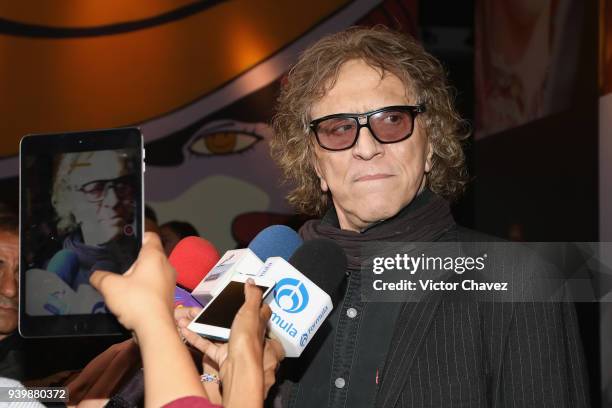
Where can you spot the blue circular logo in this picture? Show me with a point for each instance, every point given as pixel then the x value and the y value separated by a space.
pixel 291 295
pixel 303 340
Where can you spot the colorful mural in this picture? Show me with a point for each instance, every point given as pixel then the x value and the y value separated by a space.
pixel 526 60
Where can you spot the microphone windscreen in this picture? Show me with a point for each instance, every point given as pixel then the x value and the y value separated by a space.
pixel 193 258
pixel 275 240
pixel 323 262
pixel 64 264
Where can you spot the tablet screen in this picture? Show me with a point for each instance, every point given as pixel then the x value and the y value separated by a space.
pixel 80 212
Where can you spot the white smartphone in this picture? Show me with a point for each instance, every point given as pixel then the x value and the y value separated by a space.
pixel 215 320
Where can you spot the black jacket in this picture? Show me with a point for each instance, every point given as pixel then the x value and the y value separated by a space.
pixel 463 351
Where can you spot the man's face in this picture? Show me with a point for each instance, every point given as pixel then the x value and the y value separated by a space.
pixel 104 193
pixel 371 181
pixel 9 270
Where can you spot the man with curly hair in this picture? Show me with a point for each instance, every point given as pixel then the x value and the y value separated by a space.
pixel 367 133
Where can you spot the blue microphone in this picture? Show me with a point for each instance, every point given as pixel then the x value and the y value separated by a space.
pixel 275 240
pixel 65 264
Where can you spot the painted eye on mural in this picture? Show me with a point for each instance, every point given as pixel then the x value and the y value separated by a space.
pixel 223 143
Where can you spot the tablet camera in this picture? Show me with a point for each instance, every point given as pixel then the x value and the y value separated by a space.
pixel 128 230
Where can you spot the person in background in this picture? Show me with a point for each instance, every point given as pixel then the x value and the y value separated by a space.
pixel 171 378
pixel 172 232
pixel 11 352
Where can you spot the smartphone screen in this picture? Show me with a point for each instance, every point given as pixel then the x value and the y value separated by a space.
pixel 225 305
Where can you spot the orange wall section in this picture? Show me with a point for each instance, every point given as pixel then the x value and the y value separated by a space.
pixel 50 84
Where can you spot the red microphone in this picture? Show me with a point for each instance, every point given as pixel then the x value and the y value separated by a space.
pixel 193 258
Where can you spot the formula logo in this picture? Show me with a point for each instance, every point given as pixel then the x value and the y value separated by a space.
pixel 304 340
pixel 291 295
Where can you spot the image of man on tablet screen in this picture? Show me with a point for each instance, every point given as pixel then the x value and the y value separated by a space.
pixel 85 221
pixel 93 196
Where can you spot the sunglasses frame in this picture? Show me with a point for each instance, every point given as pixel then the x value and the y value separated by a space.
pixel 363 120
pixel 107 186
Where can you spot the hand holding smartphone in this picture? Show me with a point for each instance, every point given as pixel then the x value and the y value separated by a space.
pixel 215 320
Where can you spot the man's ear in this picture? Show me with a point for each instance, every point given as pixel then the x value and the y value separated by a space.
pixel 429 157
pixel 323 183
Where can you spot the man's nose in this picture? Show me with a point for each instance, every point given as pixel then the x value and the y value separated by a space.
pixel 367 146
pixel 110 199
pixel 8 283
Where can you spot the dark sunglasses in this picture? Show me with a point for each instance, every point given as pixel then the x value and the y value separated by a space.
pixel 390 124
pixel 96 190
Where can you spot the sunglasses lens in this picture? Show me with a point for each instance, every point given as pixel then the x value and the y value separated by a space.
pixel 392 126
pixel 337 133
pixel 94 191
pixel 124 189
pixel 97 190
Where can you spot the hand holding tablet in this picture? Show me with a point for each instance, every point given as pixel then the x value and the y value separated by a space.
pixel 145 291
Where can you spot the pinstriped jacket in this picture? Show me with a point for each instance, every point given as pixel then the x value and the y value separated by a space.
pixel 448 352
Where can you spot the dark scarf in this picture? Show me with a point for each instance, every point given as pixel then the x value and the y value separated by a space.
pixel 425 219
pixel 115 256
pixel 88 255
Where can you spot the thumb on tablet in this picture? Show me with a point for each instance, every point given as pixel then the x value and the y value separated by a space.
pixel 113 288
pixel 103 281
